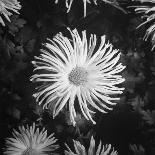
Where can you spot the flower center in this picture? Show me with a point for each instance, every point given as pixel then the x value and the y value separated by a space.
pixel 78 76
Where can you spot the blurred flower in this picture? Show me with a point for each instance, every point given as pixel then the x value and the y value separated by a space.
pixel 147 8
pixel 101 150
pixel 137 150
pixel 111 2
pixel 71 69
pixel 30 141
pixel 11 5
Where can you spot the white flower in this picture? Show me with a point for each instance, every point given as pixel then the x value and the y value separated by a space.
pixel 6 6
pixel 30 141
pixel 78 69
pixel 147 9
pixel 111 2
pixel 101 150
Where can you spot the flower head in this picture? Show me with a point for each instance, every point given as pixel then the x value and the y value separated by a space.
pixel 78 69
pixel 30 141
pixel 101 150
pixel 6 6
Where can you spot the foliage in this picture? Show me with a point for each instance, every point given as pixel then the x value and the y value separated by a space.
pixel 130 127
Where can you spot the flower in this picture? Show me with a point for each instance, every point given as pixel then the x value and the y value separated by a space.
pixel 6 6
pixel 72 69
pixel 149 15
pixel 101 150
pixel 111 2
pixel 30 141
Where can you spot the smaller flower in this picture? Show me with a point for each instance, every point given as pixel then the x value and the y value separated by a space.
pixel 147 9
pixel 6 6
pixel 30 141
pixel 101 150
pixel 110 2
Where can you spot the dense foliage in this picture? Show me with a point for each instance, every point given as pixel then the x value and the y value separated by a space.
pixel 130 127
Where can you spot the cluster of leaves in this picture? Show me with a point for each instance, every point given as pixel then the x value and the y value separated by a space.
pixel 130 127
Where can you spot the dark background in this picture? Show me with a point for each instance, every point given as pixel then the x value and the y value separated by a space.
pixel 132 120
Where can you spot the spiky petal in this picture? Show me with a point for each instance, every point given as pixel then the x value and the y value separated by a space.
pixel 147 9
pixel 7 7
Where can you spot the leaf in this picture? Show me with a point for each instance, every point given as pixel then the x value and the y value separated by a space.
pixel 131 80
pixel 25 35
pixel 148 116
pixel 38 110
pixel 59 128
pixel 137 103
pixel 7 47
pixel 10 47
pixel 21 65
pixel 15 24
pixel 19 58
pixel 16 97
pixel 30 45
pixel 14 112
